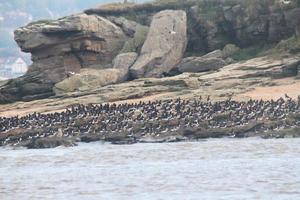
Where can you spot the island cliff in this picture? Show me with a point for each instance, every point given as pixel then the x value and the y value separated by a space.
pixel 119 42
pixel 92 73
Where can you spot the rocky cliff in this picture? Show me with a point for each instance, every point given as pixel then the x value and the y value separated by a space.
pixel 120 42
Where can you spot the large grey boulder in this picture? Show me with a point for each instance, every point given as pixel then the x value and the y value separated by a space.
pixel 200 64
pixel 123 62
pixel 165 45
pixel 88 79
pixel 211 61
pixel 227 51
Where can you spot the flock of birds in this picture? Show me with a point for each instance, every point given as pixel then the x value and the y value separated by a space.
pixel 151 118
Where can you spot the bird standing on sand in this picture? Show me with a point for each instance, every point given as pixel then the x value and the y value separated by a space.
pixel 286 96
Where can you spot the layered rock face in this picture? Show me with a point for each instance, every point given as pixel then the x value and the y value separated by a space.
pixel 89 79
pixel 82 40
pixel 114 43
pixel 244 23
pixel 63 47
pixel 165 45
pixel 209 62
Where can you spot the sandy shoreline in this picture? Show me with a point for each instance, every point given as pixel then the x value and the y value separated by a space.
pixel 49 106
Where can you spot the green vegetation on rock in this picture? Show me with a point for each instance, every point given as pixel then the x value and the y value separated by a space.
pixel 134 44
pixel 291 45
pixel 252 52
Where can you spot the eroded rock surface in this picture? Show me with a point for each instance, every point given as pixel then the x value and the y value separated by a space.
pixel 60 48
pixel 63 47
pixel 89 79
pixel 209 62
pixel 123 62
pixel 77 33
pixel 164 46
pixel 200 64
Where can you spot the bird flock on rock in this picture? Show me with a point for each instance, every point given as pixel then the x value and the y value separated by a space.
pixel 149 118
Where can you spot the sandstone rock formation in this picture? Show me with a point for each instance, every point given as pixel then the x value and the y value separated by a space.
pixel 214 54
pixel 164 46
pixel 128 26
pixel 241 80
pixel 88 79
pixel 200 64
pixel 61 47
pixel 95 40
pixel 211 61
pixel 89 41
pixel 136 42
pixel 123 62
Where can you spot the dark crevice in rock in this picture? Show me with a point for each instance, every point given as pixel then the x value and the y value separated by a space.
pixel 80 60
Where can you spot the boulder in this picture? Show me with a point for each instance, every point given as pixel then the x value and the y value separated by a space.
pixel 214 54
pixel 28 87
pixel 164 46
pixel 136 42
pixel 88 79
pixel 227 51
pixel 123 62
pixel 200 64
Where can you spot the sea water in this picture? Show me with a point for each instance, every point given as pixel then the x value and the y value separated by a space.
pixel 208 169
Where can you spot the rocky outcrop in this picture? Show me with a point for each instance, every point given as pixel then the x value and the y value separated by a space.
pixel 200 64
pixel 216 23
pixel 136 32
pixel 95 39
pixel 88 79
pixel 123 62
pixel 92 40
pixel 136 42
pixel 164 46
pixel 61 47
pixel 241 80
pixel 293 16
pixel 211 61
pixel 129 27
